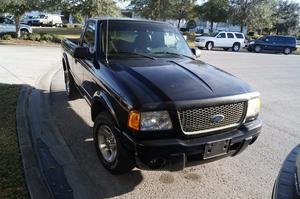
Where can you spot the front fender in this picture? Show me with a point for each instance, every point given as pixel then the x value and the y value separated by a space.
pixel 101 102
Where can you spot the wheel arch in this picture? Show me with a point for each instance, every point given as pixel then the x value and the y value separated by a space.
pixel 100 103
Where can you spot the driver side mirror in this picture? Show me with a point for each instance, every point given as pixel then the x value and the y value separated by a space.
pixel 196 52
pixel 82 53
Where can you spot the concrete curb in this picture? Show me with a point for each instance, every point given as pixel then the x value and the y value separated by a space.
pixel 36 185
pixel 50 168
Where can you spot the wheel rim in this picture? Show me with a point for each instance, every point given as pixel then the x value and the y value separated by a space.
pixel 257 48
pixel 287 51
pixel 107 143
pixel 236 47
pixel 209 46
pixel 67 81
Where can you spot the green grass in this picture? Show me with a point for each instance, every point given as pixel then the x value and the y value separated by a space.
pixel 12 183
pixel 60 32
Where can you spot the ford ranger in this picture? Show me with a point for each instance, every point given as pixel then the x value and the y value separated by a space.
pixel 153 103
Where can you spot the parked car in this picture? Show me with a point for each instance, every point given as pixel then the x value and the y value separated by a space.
pixel 50 20
pixel 225 40
pixel 28 19
pixel 287 185
pixel 283 44
pixel 154 105
pixel 9 26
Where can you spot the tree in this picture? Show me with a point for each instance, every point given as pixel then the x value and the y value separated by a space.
pixel 153 9
pixel 286 17
pixel 18 8
pixel 261 17
pixel 214 11
pixel 183 9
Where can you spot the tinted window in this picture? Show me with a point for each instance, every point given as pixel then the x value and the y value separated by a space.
pixel 239 35
pixel 154 39
pixel 89 35
pixel 222 35
pixel 230 35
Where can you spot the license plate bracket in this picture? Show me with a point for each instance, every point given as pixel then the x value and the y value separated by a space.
pixel 215 149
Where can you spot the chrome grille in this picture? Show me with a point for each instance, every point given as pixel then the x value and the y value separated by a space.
pixel 199 120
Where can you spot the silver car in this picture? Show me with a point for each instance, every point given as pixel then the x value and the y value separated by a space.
pixel 8 26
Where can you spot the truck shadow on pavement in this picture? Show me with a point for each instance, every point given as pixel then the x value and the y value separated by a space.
pixel 73 121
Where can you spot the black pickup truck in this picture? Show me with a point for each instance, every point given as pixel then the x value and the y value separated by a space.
pixel 154 105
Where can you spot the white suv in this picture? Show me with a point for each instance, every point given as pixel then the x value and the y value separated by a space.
pixel 225 40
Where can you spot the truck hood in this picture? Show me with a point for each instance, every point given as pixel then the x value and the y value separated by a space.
pixel 165 80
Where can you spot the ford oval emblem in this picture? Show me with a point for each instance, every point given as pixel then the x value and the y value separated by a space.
pixel 217 118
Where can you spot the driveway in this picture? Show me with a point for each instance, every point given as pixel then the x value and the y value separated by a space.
pixel 248 175
pixel 26 64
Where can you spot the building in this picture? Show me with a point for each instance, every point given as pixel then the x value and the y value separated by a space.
pixel 204 27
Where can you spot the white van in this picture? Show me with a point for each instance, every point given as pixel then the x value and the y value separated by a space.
pixel 50 20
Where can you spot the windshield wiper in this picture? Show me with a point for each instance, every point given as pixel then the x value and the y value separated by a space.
pixel 171 53
pixel 139 54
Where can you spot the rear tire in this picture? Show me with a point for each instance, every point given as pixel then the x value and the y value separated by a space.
pixel 70 85
pixel 257 49
pixel 287 51
pixel 209 45
pixel 236 47
pixel 109 148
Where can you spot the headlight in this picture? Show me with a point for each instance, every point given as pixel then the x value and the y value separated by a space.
pixel 254 106
pixel 150 121
pixel 251 42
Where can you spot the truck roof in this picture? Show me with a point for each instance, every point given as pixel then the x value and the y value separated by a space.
pixel 125 19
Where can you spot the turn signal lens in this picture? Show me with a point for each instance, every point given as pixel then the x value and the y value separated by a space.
pixel 134 120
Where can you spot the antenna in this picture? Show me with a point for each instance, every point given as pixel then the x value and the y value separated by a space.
pixel 106 40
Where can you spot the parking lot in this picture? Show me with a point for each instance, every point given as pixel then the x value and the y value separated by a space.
pixel 249 175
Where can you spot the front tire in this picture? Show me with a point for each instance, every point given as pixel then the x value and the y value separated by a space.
pixel 257 49
pixel 109 148
pixel 209 45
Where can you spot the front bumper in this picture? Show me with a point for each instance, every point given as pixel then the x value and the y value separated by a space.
pixel 200 44
pixel 176 154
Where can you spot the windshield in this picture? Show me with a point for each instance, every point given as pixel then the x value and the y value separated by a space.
pixel 133 38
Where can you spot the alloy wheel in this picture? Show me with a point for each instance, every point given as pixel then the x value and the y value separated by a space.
pixel 107 143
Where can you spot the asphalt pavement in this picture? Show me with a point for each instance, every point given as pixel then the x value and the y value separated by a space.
pixel 248 175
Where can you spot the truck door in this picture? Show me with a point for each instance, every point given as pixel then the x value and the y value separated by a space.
pixel 220 40
pixel 230 39
pixel 87 66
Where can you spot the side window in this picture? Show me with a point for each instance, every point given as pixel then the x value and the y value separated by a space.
pixel 230 35
pixel 89 35
pixel 239 36
pixel 221 35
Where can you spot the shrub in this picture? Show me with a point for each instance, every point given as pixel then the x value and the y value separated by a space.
pixel 69 25
pixel 6 37
pixel 35 37
pixel 78 26
pixel 47 37
pixel 24 37
pixel 56 39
